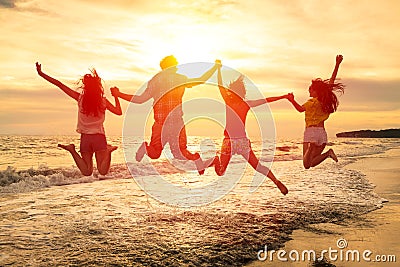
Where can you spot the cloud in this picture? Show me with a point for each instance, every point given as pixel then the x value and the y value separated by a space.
pixel 47 111
pixel 279 47
pixel 25 6
pixel 204 8
pixel 44 100
pixel 7 3
pixel 370 95
pixel 35 112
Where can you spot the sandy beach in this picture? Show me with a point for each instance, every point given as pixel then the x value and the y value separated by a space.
pixel 376 231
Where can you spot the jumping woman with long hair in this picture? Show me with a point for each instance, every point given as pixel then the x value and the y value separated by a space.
pixel 91 115
pixel 317 109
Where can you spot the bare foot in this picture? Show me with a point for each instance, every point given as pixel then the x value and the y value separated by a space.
pixel 332 155
pixel 199 166
pixel 215 160
pixel 206 164
pixel 141 152
pixel 281 187
pixel 70 147
pixel 111 148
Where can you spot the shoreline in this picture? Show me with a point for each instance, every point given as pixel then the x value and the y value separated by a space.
pixel 375 231
pixel 114 221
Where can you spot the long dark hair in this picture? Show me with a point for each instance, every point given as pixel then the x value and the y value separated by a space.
pixel 326 93
pixel 92 94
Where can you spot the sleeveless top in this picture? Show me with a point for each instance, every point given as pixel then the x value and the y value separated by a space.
pixel 89 124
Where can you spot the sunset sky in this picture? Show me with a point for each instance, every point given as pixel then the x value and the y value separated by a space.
pixel 279 45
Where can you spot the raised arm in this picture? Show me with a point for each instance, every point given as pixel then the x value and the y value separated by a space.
pixel 116 109
pixel 203 78
pixel 339 59
pixel 221 87
pixel 255 103
pixel 296 105
pixel 137 99
pixel 66 89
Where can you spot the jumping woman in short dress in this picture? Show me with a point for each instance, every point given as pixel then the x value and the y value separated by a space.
pixel 91 114
pixel 317 109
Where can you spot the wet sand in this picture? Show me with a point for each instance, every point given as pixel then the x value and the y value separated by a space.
pixel 377 231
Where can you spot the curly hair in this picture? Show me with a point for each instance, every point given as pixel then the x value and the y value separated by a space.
pixel 326 93
pixel 92 94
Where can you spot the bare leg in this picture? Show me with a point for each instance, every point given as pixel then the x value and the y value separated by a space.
pixel 332 155
pixel 199 165
pixel 307 153
pixel 103 159
pixel 141 152
pixel 221 163
pixel 318 158
pixel 155 148
pixel 254 162
pixel 84 163
pixel 209 162
pixel 314 156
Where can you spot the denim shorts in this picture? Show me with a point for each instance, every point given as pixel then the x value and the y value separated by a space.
pixel 315 135
pixel 91 143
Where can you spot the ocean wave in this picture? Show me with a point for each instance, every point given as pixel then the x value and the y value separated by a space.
pixel 288 157
pixel 20 181
pixel 286 148
pixel 29 179
pixel 115 223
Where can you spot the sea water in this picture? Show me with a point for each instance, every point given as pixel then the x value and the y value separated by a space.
pixel 22 157
pixel 52 215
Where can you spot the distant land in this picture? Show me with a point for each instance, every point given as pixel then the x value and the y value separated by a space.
pixel 388 133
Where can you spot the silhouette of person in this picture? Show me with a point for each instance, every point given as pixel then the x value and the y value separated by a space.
pixel 91 115
pixel 235 137
pixel 166 89
pixel 323 102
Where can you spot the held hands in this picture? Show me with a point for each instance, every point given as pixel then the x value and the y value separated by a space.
pixel 290 97
pixel 339 59
pixel 218 63
pixel 114 91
